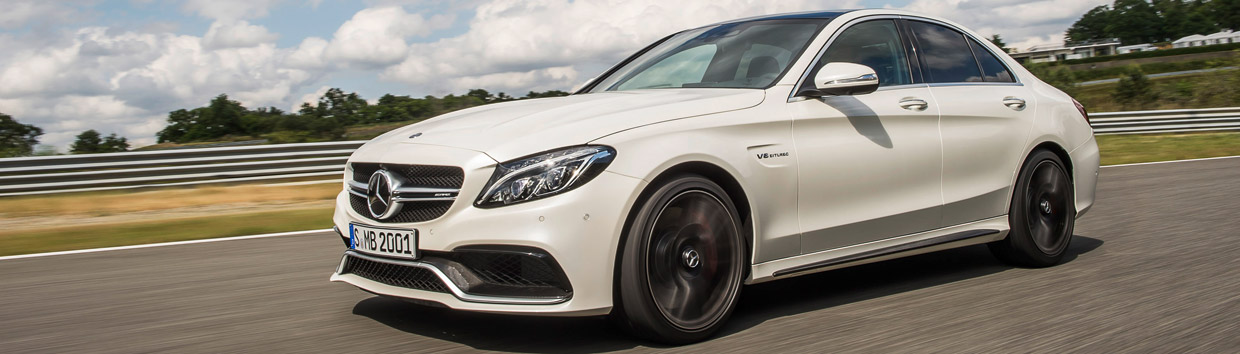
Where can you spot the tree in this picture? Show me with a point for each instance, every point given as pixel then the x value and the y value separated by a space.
pixel 1134 89
pixel 1182 18
pixel 1226 13
pixel 1058 76
pixel 87 143
pixel 91 142
pixel 1091 26
pixel 998 42
pixel 1135 21
pixel 17 139
pixel 114 143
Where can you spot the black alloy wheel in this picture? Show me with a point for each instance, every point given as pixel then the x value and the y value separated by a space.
pixel 682 263
pixel 1042 214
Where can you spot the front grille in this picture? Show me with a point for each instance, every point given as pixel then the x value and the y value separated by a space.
pixel 409 212
pixel 394 274
pixel 417 176
pixel 510 269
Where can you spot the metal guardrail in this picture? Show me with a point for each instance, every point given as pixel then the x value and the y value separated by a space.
pixel 1166 121
pixel 126 170
pixel 144 169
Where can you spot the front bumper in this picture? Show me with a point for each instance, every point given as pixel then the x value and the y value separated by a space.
pixel 579 229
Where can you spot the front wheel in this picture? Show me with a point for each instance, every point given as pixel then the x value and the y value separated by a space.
pixel 682 263
pixel 1042 214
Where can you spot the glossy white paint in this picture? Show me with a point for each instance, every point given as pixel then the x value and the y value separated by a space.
pixel 824 178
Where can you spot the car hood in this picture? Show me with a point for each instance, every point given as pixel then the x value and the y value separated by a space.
pixel 514 129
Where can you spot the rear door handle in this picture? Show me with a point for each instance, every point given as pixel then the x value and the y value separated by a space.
pixel 1014 103
pixel 914 104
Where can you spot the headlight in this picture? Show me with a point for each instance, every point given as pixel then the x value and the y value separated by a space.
pixel 544 175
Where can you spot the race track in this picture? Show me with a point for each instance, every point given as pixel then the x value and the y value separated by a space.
pixel 1154 267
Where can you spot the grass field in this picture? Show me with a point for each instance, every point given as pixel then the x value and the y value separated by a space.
pixel 1122 149
pixel 136 233
pixel 267 208
pixel 1203 90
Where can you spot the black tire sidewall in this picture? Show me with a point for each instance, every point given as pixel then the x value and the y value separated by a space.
pixel 635 304
pixel 1019 248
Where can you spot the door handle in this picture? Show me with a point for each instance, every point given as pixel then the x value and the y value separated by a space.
pixel 1014 103
pixel 914 104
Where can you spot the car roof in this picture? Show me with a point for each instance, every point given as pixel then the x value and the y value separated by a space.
pixel 792 15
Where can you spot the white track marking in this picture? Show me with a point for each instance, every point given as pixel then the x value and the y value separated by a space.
pixel 105 249
pixel 1172 161
pixel 307 232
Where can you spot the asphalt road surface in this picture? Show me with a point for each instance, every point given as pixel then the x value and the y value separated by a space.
pixel 1155 267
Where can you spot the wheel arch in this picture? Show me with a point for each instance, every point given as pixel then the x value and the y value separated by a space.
pixel 730 184
pixel 1044 144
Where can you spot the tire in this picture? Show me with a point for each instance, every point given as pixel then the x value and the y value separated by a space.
pixel 681 264
pixel 1042 214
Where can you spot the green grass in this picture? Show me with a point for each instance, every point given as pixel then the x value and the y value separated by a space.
pixel 1122 149
pixel 1201 90
pixel 135 233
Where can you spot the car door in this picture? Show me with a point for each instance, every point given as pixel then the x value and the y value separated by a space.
pixel 870 164
pixel 985 119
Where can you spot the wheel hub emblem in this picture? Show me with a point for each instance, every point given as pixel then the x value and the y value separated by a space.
pixel 1045 205
pixel 691 258
pixel 381 195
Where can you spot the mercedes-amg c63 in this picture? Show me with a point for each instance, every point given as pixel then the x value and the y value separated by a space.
pixel 731 154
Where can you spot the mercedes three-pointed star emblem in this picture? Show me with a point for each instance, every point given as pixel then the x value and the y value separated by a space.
pixel 381 195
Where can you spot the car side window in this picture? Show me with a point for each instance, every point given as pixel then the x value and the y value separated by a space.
pixel 944 53
pixel 875 44
pixel 992 68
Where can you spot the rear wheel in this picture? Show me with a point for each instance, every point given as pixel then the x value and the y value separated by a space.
pixel 682 263
pixel 1042 214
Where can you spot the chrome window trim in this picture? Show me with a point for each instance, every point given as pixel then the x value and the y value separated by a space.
pixel 805 75
pixel 456 291
pixel 948 84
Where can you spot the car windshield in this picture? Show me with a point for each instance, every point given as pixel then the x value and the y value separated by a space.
pixel 732 55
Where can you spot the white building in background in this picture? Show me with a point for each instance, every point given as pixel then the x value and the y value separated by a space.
pixel 1224 37
pixel 1057 52
pixel 1197 40
pixel 1135 48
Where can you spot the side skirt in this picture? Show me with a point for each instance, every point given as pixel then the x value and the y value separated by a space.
pixel 978 232
pixel 964 235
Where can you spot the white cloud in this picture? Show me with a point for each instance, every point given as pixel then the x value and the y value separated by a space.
pixel 20 13
pixel 375 37
pixel 240 34
pixel 127 82
pixel 229 9
pixel 514 43
pixel 311 98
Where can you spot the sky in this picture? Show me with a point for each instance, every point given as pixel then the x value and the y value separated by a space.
pixel 120 66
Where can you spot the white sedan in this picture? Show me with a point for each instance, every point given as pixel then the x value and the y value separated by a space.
pixel 736 153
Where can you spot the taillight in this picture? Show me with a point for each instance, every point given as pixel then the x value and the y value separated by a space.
pixel 1081 107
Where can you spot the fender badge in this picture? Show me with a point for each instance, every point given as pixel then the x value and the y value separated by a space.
pixel 415 135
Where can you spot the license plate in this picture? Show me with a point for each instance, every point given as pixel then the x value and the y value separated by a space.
pixel 396 243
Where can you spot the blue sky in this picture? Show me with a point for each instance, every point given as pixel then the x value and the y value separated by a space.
pixel 119 66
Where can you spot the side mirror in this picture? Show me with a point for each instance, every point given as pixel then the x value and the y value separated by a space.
pixel 843 79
